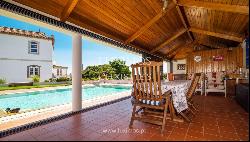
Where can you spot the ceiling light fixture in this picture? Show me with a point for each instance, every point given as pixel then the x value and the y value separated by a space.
pixel 165 4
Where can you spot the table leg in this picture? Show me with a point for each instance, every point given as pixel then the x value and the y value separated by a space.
pixel 172 112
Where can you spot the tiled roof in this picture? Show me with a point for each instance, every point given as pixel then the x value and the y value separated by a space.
pixel 57 66
pixel 13 31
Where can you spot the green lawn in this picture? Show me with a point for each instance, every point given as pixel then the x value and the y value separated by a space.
pixel 2 88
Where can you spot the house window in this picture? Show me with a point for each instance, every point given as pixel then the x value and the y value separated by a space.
pixel 57 72
pixel 33 47
pixel 60 72
pixel 33 70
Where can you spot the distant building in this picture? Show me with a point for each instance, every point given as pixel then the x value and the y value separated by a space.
pixel 59 71
pixel 24 54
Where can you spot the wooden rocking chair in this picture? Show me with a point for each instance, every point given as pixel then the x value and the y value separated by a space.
pixel 147 94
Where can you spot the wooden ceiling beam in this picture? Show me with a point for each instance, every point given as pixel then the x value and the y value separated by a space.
pixel 71 4
pixel 175 51
pixel 215 6
pixel 189 45
pixel 169 40
pixel 210 46
pixel 192 43
pixel 93 25
pixel 182 18
pixel 219 35
pixel 149 24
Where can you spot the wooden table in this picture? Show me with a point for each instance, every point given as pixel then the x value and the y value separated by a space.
pixel 178 100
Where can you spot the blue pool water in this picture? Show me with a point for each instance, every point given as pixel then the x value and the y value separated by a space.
pixel 42 99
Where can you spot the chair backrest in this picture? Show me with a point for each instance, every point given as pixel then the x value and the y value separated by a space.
pixel 193 85
pixel 147 81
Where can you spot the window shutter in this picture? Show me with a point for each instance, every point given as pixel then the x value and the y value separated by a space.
pixel 28 72
pixel 39 70
pixel 29 44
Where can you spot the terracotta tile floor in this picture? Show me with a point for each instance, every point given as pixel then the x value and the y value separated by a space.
pixel 218 119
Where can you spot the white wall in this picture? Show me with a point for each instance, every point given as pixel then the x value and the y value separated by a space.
pixel 14 58
pixel 175 71
pixel 16 71
pixel 64 72
pixel 16 47
pixel 166 67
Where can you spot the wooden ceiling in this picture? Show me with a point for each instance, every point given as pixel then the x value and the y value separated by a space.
pixel 171 33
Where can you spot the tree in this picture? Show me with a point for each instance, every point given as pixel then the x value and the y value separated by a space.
pixel 121 70
pixel 107 71
pixel 116 69
pixel 91 73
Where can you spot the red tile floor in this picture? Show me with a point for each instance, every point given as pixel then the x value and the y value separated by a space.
pixel 219 118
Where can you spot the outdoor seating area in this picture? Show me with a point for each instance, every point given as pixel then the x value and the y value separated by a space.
pixel 191 82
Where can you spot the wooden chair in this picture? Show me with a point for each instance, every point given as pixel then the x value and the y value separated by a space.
pixel 188 113
pixel 147 94
pixel 191 91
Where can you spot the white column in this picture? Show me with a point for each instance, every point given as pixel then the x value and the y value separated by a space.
pixel 76 72
pixel 168 67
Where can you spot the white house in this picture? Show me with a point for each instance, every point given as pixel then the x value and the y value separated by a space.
pixel 24 54
pixel 59 71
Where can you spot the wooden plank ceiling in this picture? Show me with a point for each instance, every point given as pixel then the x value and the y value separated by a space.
pixel 171 33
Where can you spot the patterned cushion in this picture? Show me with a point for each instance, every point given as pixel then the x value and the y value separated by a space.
pixel 215 80
pixel 199 86
pixel 157 103
pixel 221 87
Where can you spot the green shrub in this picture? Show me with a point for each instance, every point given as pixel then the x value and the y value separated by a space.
pixel 2 81
pixel 46 80
pixel 52 80
pixel 165 76
pixel 62 79
pixel 35 78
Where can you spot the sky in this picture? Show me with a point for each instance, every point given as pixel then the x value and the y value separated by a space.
pixel 93 53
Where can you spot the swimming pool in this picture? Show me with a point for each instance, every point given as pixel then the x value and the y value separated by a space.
pixel 43 99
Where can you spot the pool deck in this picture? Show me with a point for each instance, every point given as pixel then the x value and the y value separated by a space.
pixel 11 121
